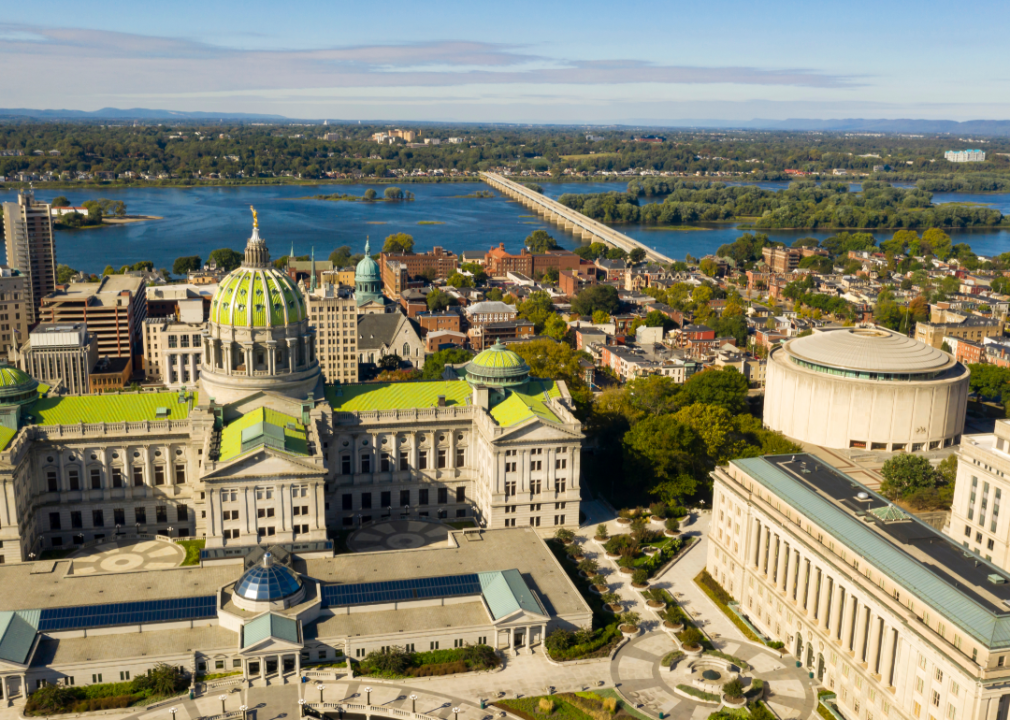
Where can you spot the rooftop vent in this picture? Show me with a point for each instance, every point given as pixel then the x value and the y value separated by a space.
pixel 162 412
pixel 862 496
pixel 996 579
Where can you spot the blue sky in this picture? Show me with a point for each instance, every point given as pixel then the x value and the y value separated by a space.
pixel 541 62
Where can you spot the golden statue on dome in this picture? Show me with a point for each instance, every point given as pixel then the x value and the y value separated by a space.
pixel 256 222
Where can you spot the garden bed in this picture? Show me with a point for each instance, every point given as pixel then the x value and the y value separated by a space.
pixel 722 598
pixel 160 683
pixel 394 663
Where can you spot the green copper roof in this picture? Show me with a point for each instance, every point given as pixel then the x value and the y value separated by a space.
pixel 956 604
pixel 127 407
pixel 263 427
pixel 506 592
pixel 396 396
pixel 270 625
pixel 12 377
pixel 526 401
pixel 6 435
pixel 249 297
pixel 497 366
pixel 17 634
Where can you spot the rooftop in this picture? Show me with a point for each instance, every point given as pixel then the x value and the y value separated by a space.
pixel 870 350
pixel 927 564
pixel 365 397
pixel 263 427
pixel 525 401
pixel 126 407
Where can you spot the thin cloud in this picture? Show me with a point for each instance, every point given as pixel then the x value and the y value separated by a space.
pixel 143 64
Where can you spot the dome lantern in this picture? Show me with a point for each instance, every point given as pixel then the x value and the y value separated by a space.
pixel 498 367
pixel 268 582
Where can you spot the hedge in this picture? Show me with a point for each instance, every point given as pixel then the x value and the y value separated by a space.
pixel 700 694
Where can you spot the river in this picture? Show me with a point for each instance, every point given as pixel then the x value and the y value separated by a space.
pixel 198 220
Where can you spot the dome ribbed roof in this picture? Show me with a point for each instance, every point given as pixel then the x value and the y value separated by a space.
pixel 267 582
pixel 12 377
pixel 257 297
pixel 367 269
pixel 497 366
pixel 870 350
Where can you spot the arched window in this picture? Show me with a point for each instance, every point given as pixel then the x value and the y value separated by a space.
pixel 406 350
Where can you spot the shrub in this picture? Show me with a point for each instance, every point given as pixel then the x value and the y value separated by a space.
pixel 691 636
pixel 618 543
pixel 671 657
pixel 630 618
pixel 733 689
pixel 742 664
pixel 610 704
pixel 601 531
pixel 658 509
pixel 392 660
pixel 600 582
pixel 589 566
pixel 573 550
pixel 672 525
pixel 776 645
pixel 695 692
pixel 546 706
pixel 610 598
pixel 564 535
pixel 640 577
pixel 643 535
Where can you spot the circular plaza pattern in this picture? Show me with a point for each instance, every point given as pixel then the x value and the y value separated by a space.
pixel 127 555
pixel 397 535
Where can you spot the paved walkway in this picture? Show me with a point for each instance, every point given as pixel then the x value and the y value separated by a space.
pixel 398 535
pixel 127 556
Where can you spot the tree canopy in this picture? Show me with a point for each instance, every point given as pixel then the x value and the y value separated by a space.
pixel 539 241
pixel 398 243
pixel 596 297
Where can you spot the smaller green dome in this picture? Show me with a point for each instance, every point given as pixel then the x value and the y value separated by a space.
pixel 16 386
pixel 367 269
pixel 497 366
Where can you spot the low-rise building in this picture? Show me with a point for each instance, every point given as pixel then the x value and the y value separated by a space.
pixel 487 334
pixel 167 301
pixel 490 311
pixel 385 334
pixel 970 327
pixel 60 356
pixel 430 322
pixel 111 374
pixel 399 269
pixel 444 339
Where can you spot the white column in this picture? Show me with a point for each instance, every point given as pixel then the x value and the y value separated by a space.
pixel 850 607
pixel 780 575
pixel 755 540
pixel 794 562
pixel 862 621
pixel 873 644
pixel 835 618
pixel 887 653
pixel 822 600
pixel 763 549
pixel 192 369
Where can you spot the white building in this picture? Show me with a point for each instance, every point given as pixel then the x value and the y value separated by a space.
pixel 983 477
pixel 961 156
pixel 898 620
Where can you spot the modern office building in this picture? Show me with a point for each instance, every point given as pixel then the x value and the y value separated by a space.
pixel 61 356
pixel 265 452
pixel 15 309
pixel 31 250
pixel 897 619
pixel 334 315
pixel 867 388
pixel 113 309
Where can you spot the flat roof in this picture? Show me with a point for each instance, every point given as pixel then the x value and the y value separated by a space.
pixel 927 564
pixel 364 397
pixel 152 643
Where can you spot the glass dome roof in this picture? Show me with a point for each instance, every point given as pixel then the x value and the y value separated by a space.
pixel 267 582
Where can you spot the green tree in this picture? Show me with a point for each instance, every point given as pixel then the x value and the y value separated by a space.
pixel 459 280
pixel 539 241
pixel 226 258
pixel 551 275
pixel 64 274
pixel 60 201
pixel 435 363
pixel 398 243
pixel 536 308
pixel 906 473
pixel 709 267
pixel 725 387
pixel 389 362
pixel 596 297
pixel 636 255
pixel 341 257
pixel 393 193
pixel 601 317
pixel 989 381
pixel 189 263
pixel 555 327
pixel 716 427
pixel 660 451
pixel 439 301
pixel 370 194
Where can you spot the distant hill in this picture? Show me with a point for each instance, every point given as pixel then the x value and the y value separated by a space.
pixel 133 114
pixel 931 127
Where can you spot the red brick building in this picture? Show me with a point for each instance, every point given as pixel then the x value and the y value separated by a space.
pixel 499 262
pixel 431 322
pixel 397 269
pixel 571 281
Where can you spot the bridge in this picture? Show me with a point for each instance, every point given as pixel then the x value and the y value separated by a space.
pixel 570 220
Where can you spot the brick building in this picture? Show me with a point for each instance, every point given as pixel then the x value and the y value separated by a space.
pixel 499 262
pixel 399 269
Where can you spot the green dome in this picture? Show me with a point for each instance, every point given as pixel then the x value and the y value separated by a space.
pixel 497 366
pixel 16 386
pixel 257 298
pixel 367 269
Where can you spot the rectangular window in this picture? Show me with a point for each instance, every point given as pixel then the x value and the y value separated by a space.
pixel 404 498
pixel 96 479
pixel 422 459
pixel 181 513
pixel 54 521
pixel 159 474
pixel 51 481
pixel 385 499
pixel 461 494
pixel 180 474
pixel 346 502
pixel 441 459
pixel 422 496
pixel 384 466
pixel 366 463
pixel 117 477
pixel 119 516
pixel 161 514
pixel 75 520
pixel 443 496
pixel 74 478
pixel 98 518
pixel 404 462
pixel 140 515
pixel 366 501
pixel 345 464
pixel 560 463
pixel 935 699
pixel 138 476
pixel 460 457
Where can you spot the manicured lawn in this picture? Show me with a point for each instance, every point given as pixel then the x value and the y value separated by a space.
pixel 192 548
pixel 531 707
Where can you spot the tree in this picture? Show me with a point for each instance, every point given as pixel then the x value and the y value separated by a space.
pixel 636 255
pixel 341 257
pixel 60 201
pixel 905 474
pixel 434 364
pixel 709 267
pixel 539 241
pixel 370 194
pixel 398 243
pixel 937 242
pixel 716 428
pixel 537 308
pixel 596 297
pixel 551 275
pixel 393 193
pixel 601 317
pixel 479 276
pixel 439 301
pixel 162 680
pixel 552 360
pixel 226 258
pixel 661 451
pixel 458 280
pixel 188 263
pixel 989 381
pixel 555 327
pixel 64 274
pixel 725 387
pixel 389 362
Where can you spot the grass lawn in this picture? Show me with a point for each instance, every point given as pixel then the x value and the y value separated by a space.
pixel 192 548
pixel 460 524
pixel 611 693
pixel 531 707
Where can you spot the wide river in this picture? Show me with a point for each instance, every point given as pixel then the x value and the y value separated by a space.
pixel 198 220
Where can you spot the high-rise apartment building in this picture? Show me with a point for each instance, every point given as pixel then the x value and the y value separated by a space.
pixel 333 313
pixel 14 309
pixel 28 233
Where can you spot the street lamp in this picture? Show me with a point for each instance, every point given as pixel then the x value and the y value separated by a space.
pixel 368 696
pixel 320 687
pixel 455 712
pixel 301 707
pixel 170 529
pixel 413 702
pixel 173 711
pixel 222 698
pixel 242 709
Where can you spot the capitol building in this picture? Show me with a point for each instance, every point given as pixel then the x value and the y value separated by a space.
pixel 263 451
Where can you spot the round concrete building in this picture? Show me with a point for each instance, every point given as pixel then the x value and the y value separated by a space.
pixel 866 388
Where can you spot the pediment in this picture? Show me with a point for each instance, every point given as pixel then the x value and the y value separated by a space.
pixel 520 618
pixel 271 644
pixel 535 429
pixel 266 462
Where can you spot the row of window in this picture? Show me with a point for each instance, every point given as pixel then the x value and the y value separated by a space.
pixel 386 461
pixel 161 513
pixel 118 477
pixel 182 341
pixel 535 521
pixel 536 487
pixel 387 513
pixel 386 498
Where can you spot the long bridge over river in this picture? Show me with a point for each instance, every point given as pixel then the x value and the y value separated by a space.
pixel 572 221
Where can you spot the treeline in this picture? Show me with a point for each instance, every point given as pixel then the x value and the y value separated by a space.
pixel 804 204
pixel 982 183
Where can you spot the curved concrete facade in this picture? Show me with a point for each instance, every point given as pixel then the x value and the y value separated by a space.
pixel 836 411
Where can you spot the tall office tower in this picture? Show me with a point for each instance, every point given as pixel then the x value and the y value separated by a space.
pixel 28 231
